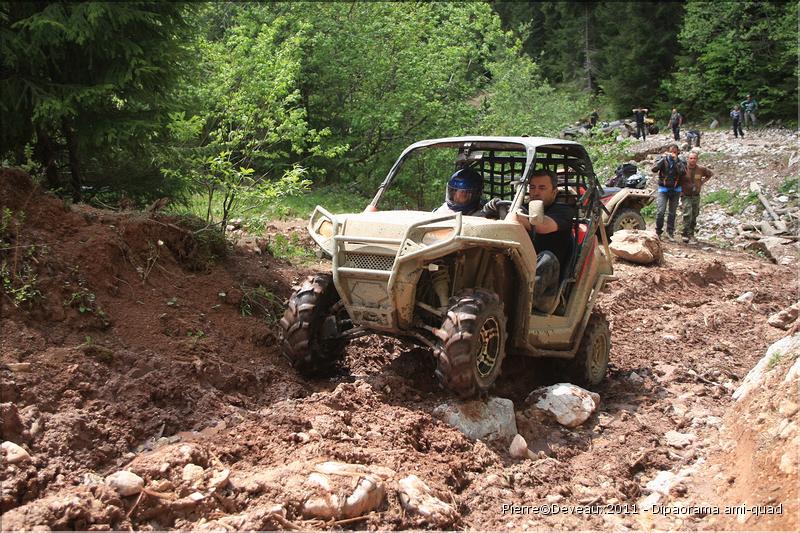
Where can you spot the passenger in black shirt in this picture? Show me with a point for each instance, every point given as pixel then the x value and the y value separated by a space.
pixel 552 238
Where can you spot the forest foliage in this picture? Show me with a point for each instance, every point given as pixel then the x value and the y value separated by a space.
pixel 245 102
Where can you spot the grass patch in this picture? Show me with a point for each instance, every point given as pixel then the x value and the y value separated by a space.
pixel 649 212
pixel 774 359
pixel 719 242
pixel 336 199
pixel 18 272
pixel 789 185
pixel 290 248
pixel 261 301
pixel 733 202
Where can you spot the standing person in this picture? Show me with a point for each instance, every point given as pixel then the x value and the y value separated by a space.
pixel 692 181
pixel 736 118
pixel 593 118
pixel 639 114
pixel 675 121
pixel 670 171
pixel 750 106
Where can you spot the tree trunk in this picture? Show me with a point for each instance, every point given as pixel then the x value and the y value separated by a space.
pixel 76 180
pixel 46 154
pixel 586 51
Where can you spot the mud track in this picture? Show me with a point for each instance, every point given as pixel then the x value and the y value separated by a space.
pixel 169 364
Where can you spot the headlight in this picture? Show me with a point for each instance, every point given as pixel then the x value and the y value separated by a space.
pixel 325 228
pixel 437 235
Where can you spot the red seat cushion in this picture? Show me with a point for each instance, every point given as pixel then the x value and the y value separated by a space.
pixel 582 229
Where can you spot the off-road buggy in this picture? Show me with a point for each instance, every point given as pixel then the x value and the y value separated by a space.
pixel 460 285
pixel 624 196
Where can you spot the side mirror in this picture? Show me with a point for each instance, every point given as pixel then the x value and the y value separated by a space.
pixel 536 212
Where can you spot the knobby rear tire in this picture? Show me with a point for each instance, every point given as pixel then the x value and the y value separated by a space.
pixel 591 361
pixel 472 343
pixel 627 218
pixel 301 327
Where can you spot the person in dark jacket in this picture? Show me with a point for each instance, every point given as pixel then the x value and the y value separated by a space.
pixel 675 121
pixel 639 114
pixel 670 172
pixel 736 119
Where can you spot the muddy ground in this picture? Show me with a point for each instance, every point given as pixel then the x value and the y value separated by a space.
pixel 142 352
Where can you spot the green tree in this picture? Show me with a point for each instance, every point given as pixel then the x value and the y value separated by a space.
pixel 86 77
pixel 637 53
pixel 735 48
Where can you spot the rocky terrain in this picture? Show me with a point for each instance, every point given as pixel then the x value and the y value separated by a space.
pixel 142 387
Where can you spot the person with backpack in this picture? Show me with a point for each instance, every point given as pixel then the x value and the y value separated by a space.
pixel 736 119
pixel 670 173
pixel 675 121
pixel 639 114
pixel 749 107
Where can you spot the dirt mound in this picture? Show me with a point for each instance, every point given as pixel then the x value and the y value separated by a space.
pixel 120 329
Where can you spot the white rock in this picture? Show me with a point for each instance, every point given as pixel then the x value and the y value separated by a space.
pixel 197 496
pixel 793 373
pixel 418 499
pixel 637 246
pixel 746 297
pixel 219 479
pixel 785 347
pixel 788 464
pixel 679 440
pixel 785 318
pixel 478 419
pixel 635 378
pixel 782 198
pixel 367 496
pixel 662 482
pixel 14 453
pixel 519 448
pixel 569 404
pixel 125 482
pixel 192 473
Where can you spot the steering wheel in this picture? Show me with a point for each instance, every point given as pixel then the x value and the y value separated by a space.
pixel 502 209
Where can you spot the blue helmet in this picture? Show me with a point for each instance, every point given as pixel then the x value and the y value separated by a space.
pixel 464 190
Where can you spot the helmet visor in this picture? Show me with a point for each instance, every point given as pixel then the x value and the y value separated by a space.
pixel 460 197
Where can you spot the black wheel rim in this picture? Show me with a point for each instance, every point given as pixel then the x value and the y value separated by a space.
pixel 628 222
pixel 489 347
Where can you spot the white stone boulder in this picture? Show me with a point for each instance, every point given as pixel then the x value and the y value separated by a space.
pixel 679 440
pixel 785 347
pixel 14 453
pixel 478 419
pixel 125 482
pixel 342 490
pixel 418 499
pixel 568 404
pixel 637 246
pixel 785 318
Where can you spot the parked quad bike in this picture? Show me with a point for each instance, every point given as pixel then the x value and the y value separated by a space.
pixel 460 285
pixel 624 197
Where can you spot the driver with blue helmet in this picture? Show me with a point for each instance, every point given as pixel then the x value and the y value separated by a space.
pixel 464 193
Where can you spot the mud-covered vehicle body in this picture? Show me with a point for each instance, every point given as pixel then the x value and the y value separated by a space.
pixel 461 285
pixel 624 208
pixel 624 196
